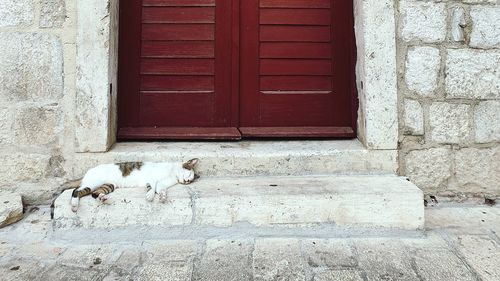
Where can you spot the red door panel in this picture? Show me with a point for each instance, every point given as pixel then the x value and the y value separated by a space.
pixel 174 69
pixel 298 67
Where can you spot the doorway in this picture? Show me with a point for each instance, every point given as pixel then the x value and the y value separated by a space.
pixel 222 69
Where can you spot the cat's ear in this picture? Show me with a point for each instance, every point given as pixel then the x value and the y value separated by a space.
pixel 189 165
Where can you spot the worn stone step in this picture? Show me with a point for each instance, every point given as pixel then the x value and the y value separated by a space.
pixel 365 201
pixel 252 158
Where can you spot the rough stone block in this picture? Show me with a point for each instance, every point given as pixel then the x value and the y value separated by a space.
pixel 425 21
pixel 31 67
pixel 37 126
pixel 413 118
pixel 93 76
pixel 225 260
pixel 11 209
pixel 52 13
pixel 376 71
pixel 6 121
pixel 485 26
pixel 253 158
pixel 278 259
pixel 126 206
pixel 17 13
pixel 449 123
pixel 429 168
pixel 366 201
pixel 23 167
pixel 473 74
pixel 487 121
pixel 422 70
pixel 478 170
pixel 458 23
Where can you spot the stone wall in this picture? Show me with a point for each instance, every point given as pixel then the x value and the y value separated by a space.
pixel 37 74
pixel 449 90
pixel 448 77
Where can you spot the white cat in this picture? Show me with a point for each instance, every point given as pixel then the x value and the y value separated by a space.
pixel 156 177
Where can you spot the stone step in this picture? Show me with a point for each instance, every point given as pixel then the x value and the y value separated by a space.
pixel 365 201
pixel 253 158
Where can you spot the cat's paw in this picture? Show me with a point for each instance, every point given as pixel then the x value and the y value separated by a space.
pixel 163 197
pixel 150 196
pixel 74 209
pixel 103 198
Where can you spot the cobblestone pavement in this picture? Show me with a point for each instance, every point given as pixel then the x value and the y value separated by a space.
pixel 460 243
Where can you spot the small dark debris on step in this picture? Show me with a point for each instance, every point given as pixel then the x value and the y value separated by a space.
pixel 490 202
pixel 15 268
pixel 434 199
pixel 97 261
pixel 34 209
pixel 35 221
pixel 273 185
pixel 6 202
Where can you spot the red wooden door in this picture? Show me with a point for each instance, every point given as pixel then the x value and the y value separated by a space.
pixel 198 69
pixel 175 71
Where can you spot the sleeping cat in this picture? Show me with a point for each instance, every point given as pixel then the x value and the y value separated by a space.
pixel 156 177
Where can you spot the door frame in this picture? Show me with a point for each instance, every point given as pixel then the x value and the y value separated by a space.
pixel 96 91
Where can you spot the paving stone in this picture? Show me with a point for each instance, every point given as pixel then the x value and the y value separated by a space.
pixel 383 259
pixel 19 268
pixel 89 256
pixel 72 274
pixel 483 254
pixel 172 260
pixel 278 259
pixel 339 275
pixel 457 220
pixel 225 260
pixel 332 253
pixel 441 264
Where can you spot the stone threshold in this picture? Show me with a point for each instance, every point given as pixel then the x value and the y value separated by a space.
pixel 293 201
pixel 254 158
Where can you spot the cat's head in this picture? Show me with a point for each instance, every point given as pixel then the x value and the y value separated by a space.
pixel 187 174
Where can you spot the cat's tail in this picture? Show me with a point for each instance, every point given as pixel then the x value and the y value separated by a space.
pixel 66 186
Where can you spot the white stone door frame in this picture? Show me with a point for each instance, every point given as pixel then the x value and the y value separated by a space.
pixel 97 61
